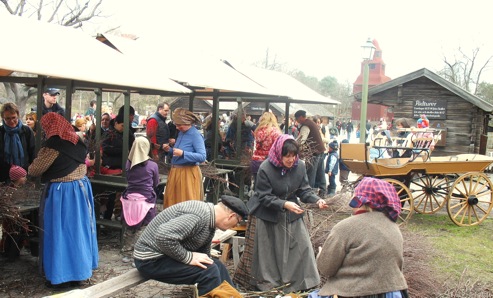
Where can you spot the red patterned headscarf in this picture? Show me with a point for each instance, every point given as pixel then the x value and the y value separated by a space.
pixel 275 153
pixel 378 195
pixel 55 125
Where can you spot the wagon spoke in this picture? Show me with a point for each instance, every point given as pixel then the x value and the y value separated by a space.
pixel 429 192
pixel 461 211
pixel 483 189
pixel 480 208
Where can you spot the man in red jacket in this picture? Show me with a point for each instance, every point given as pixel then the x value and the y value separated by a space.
pixel 158 131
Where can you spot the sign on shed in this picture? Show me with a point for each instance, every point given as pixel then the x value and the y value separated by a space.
pixel 432 108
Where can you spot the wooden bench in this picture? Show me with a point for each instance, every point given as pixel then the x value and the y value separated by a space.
pixel 107 223
pixel 231 243
pixel 112 287
pixel 132 278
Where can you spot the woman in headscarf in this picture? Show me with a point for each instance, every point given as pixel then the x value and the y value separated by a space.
pixel 185 178
pixel 17 144
pixel 139 199
pixel 69 249
pixel 363 255
pixel 278 250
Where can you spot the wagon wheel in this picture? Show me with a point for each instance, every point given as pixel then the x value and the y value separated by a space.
pixel 406 197
pixel 429 192
pixel 470 199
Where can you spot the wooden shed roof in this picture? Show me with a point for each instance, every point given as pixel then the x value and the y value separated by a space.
pixel 473 99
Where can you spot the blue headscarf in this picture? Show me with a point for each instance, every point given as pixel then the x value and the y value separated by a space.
pixel 14 153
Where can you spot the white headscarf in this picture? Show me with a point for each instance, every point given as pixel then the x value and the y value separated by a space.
pixel 140 151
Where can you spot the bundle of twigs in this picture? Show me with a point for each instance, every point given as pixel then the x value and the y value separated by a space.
pixel 8 209
pixel 307 151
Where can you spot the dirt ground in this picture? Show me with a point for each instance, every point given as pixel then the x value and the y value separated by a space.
pixel 22 279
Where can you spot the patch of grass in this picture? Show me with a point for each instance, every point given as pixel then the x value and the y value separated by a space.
pixel 460 252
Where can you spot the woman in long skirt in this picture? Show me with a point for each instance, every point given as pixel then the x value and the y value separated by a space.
pixel 69 250
pixel 185 176
pixel 278 252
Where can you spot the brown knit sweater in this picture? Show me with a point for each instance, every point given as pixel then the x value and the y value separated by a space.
pixel 363 255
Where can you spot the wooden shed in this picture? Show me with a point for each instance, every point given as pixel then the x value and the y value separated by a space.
pixel 462 116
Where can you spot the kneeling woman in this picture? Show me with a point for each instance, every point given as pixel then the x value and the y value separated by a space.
pixel 363 255
pixel 278 250
pixel 69 249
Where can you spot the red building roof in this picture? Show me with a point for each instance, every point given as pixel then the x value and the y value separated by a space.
pixel 377 70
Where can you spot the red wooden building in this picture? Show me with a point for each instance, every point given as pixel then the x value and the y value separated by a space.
pixel 377 77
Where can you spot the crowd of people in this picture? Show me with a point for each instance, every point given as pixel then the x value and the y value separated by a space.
pixel 174 245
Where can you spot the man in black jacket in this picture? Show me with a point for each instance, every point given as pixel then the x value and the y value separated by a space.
pixel 50 101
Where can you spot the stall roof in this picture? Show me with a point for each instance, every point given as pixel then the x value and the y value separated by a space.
pixel 187 66
pixel 204 73
pixel 51 50
pixel 283 84
pixel 311 109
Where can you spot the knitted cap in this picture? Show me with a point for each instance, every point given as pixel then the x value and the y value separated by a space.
pixel 17 173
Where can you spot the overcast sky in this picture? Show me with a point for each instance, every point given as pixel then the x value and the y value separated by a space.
pixel 320 38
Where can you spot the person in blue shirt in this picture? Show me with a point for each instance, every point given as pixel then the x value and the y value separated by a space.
pixel 332 167
pixel 185 178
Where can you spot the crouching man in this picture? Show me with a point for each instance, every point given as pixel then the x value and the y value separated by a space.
pixel 175 246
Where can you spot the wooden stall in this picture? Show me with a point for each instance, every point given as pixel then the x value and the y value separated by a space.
pixel 103 70
pixel 462 116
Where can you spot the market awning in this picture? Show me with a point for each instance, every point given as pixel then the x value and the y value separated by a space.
pixel 188 67
pixel 40 48
pixel 283 85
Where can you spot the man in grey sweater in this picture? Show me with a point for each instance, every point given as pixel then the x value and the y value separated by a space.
pixel 175 246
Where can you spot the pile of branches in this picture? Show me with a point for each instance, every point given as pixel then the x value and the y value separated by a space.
pixel 307 152
pixel 8 209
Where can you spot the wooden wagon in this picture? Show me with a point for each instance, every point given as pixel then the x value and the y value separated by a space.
pixel 425 183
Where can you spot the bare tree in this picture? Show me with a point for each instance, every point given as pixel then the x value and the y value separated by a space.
pixel 465 70
pixel 64 12
pixel 69 13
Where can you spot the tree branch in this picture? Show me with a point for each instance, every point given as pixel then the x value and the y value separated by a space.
pixel 7 6
pixel 20 7
pixel 478 77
